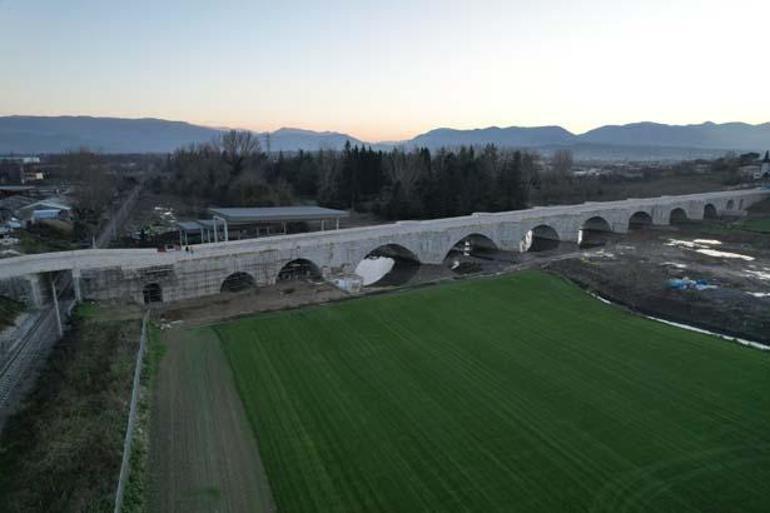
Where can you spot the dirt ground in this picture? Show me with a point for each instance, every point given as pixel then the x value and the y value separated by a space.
pixel 204 457
pixel 295 294
pixel 731 266
pixel 211 309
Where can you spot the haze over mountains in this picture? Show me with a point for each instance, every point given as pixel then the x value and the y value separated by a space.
pixel 34 134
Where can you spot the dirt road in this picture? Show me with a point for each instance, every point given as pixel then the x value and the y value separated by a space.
pixel 204 456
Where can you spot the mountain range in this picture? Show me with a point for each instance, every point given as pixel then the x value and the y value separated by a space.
pixel 40 134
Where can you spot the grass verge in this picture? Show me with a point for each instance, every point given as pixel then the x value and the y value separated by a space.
pixel 9 310
pixel 137 489
pixel 62 451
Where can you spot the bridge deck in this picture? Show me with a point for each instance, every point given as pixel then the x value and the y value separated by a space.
pixel 139 258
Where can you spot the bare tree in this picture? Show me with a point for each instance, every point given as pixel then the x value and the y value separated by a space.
pixel 561 163
pixel 237 148
pixel 94 185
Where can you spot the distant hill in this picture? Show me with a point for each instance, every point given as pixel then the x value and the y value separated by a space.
pixel 504 137
pixel 727 136
pixel 294 139
pixel 637 141
pixel 37 134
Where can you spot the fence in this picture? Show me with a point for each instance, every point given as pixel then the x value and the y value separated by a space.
pixel 132 411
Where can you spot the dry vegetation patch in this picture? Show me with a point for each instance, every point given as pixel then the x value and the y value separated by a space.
pixel 62 451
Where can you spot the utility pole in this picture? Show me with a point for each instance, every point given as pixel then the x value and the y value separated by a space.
pixel 56 305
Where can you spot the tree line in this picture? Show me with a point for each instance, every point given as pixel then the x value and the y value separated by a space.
pixel 396 184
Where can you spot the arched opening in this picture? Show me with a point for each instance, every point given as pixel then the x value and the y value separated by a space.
pixel 470 253
pixel 152 293
pixel 388 265
pixel 677 216
pixel 299 269
pixel 594 232
pixel 238 282
pixel 730 204
pixel 710 212
pixel 540 238
pixel 639 221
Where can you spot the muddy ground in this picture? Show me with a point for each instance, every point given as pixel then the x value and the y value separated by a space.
pixel 648 271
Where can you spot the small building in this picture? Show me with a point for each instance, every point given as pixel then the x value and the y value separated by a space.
pixel 44 210
pixel 18 159
pixel 750 172
pixel 247 222
pixel 760 170
pixel 20 169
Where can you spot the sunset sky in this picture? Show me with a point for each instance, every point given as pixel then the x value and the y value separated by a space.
pixel 390 69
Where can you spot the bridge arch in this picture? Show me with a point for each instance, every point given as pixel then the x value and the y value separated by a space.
pixel 473 244
pixel 388 264
pixel 710 211
pixel 237 282
pixel 152 293
pixel 677 216
pixel 639 220
pixel 462 257
pixel 730 204
pixel 542 237
pixel 594 232
pixel 298 269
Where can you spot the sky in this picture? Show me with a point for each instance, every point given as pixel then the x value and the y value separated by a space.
pixel 388 70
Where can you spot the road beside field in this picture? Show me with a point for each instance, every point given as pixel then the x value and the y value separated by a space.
pixel 204 456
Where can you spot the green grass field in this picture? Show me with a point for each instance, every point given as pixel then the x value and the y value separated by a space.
pixel 761 225
pixel 515 394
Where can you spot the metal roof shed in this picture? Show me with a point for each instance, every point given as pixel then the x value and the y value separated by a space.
pixel 202 227
pixel 276 214
pixel 283 215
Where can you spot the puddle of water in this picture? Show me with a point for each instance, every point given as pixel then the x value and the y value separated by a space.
pixel 372 270
pixel 703 246
pixel 603 254
pixel 759 294
pixel 675 264
pixel 759 274
pixel 724 254
pixel 684 244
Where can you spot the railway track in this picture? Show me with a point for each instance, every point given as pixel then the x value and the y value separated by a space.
pixel 35 343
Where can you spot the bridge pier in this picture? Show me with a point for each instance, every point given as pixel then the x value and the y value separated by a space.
pixel 76 285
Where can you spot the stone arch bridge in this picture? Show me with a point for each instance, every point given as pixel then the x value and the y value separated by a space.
pixel 130 273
